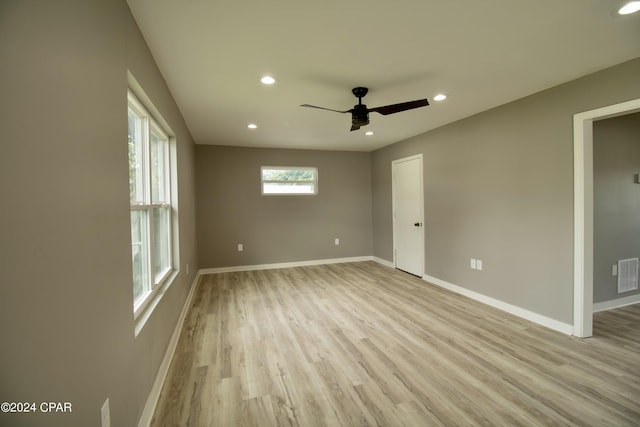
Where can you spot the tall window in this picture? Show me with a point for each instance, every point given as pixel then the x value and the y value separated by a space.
pixel 150 196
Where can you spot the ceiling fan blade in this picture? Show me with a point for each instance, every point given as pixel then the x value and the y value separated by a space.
pixel 328 109
pixel 355 127
pixel 403 106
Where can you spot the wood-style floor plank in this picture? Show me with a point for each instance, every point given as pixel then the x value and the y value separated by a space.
pixel 360 344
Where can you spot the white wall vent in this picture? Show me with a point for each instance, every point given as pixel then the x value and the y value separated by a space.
pixel 627 275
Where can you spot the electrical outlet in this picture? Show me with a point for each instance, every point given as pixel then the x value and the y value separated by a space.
pixel 240 247
pixel 479 264
pixel 105 415
pixel 336 241
pixel 473 264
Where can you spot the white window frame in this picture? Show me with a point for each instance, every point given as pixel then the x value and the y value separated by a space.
pixel 288 193
pixel 157 279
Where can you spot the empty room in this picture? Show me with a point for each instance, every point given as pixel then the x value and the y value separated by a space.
pixel 366 213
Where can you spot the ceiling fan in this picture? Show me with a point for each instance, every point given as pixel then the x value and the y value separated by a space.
pixel 360 112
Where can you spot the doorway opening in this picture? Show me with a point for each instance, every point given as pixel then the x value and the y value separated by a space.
pixel 583 211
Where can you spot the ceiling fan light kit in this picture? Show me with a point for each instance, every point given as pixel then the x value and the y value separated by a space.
pixel 360 112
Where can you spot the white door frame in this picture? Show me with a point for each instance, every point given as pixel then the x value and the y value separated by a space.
pixel 583 211
pixel 393 205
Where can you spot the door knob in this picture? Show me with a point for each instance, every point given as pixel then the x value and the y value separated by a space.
pixel 418 224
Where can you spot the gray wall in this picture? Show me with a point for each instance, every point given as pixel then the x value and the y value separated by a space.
pixel 276 229
pixel 65 274
pixel 499 187
pixel 616 160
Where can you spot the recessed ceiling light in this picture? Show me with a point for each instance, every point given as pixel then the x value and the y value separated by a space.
pixel 252 126
pixel 440 97
pixel 369 133
pixel 629 8
pixel 267 80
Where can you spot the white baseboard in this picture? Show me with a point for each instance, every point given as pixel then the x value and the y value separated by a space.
pixel 383 262
pixel 616 303
pixel 501 305
pixel 284 265
pixel 154 394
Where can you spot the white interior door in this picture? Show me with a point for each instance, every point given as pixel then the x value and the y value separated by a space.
pixel 408 221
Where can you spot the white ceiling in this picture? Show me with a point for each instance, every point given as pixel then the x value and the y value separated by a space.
pixel 482 54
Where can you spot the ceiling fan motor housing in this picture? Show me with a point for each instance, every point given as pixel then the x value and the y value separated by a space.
pixel 360 115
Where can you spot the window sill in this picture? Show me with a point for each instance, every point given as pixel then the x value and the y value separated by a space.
pixel 144 315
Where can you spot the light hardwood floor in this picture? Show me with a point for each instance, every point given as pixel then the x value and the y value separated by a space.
pixel 365 345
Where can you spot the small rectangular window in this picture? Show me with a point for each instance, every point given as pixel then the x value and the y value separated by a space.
pixel 286 180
